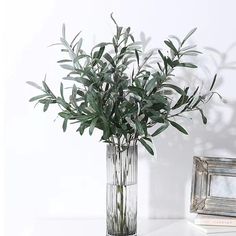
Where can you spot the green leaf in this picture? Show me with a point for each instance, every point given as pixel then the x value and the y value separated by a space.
pixel 67 67
pixel 64 125
pixel 161 129
pixel 137 56
pixel 178 127
pixel 61 102
pixel 176 38
pixel 194 93
pixel 106 128
pixel 188 35
pixel 139 127
pixel 180 102
pixel 162 56
pixel 61 91
pixel 131 123
pixel 213 82
pixel 100 45
pixel 171 46
pixel 31 83
pixel 111 15
pixel 83 81
pixel 92 101
pixel 189 65
pixel 109 59
pixel 176 88
pixel 76 36
pixel 136 90
pixel 65 114
pixel 63 61
pixel 204 119
pixel 148 148
pixel 47 89
pixel 38 97
pixel 100 52
pixel 77 46
pixel 92 126
pixel 46 105
pixel 63 31
pixel 150 84
pixel 82 127
pixel 197 102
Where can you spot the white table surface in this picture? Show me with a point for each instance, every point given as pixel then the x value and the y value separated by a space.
pixel 96 227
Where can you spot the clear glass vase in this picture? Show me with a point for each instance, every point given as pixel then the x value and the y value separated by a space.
pixel 121 200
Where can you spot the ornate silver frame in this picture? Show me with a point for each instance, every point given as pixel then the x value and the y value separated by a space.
pixel 201 200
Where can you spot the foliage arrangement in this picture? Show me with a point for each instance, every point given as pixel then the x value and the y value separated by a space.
pixel 123 91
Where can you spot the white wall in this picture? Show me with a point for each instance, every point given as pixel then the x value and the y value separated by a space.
pixel 49 173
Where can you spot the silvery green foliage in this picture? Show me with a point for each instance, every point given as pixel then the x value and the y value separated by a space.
pixel 117 89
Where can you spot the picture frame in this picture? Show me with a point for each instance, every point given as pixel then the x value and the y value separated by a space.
pixel 213 188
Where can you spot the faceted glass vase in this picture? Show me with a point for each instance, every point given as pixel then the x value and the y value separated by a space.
pixel 121 199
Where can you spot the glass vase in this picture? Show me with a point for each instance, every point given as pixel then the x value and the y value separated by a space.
pixel 121 199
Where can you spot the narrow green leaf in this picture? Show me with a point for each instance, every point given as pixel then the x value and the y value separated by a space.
pixel 61 102
pixel 100 52
pixel 64 114
pixel 194 93
pixel 64 125
pixel 76 36
pixel 171 46
pixel 161 54
pixel 109 59
pixel 139 127
pixel 92 101
pixel 92 126
pixel 137 56
pixel 178 127
pixel 111 15
pixel 148 148
pixel 131 123
pixel 136 90
pixel 46 105
pixel 38 97
pixel 77 46
pixel 180 102
pixel 197 102
pixel 83 81
pixel 176 38
pixel 204 119
pixel 176 88
pixel 46 87
pixel 62 91
pixel 189 65
pixel 63 31
pixel 63 61
pixel 67 67
pixel 106 128
pixel 161 129
pixel 82 127
pixel 118 33
pixel 31 83
pixel 188 36
pixel 213 82
pixel 150 84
